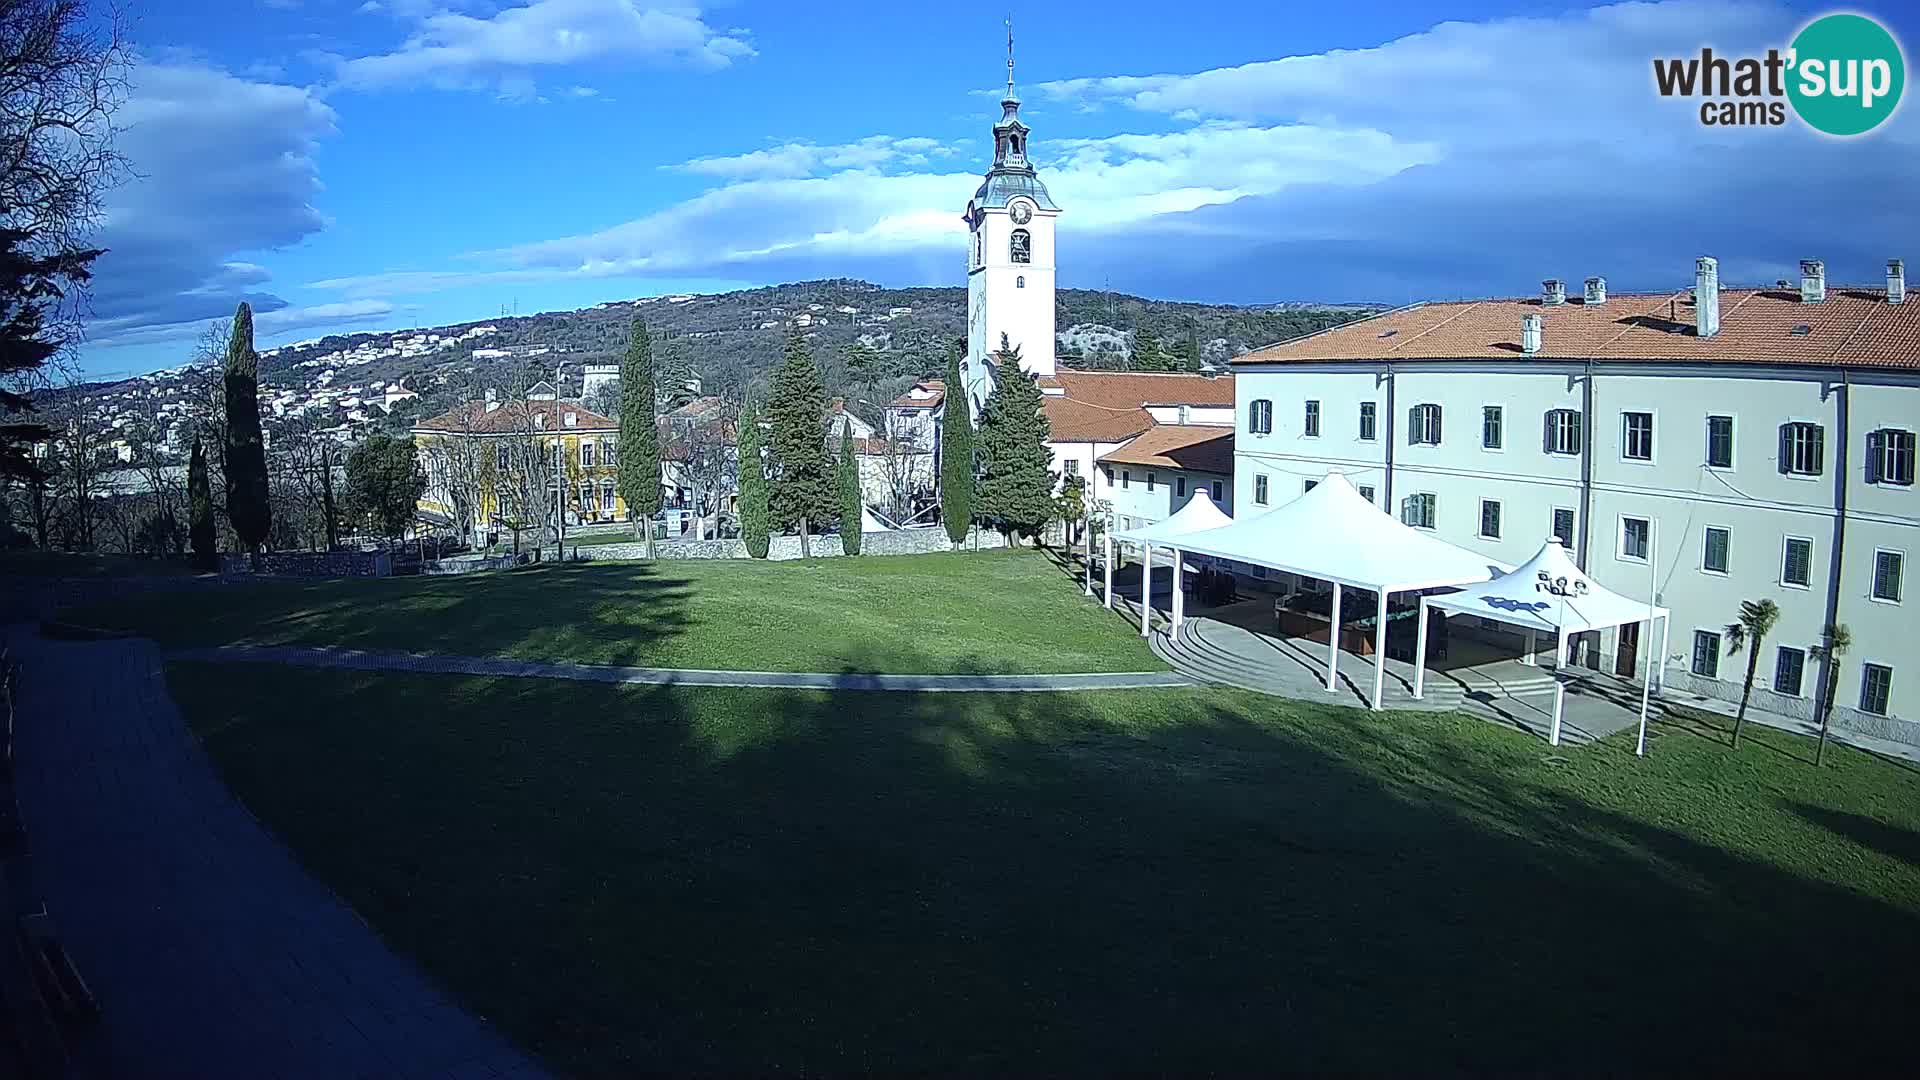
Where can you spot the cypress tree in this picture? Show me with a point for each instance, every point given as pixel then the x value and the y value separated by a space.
pixel 1147 353
pixel 753 484
pixel 1016 486
pixel 673 375
pixel 956 455
pixel 851 502
pixel 802 494
pixel 246 463
pixel 200 508
pixel 637 473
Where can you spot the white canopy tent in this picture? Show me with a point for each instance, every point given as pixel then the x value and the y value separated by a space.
pixel 1333 534
pixel 1550 594
pixel 1199 514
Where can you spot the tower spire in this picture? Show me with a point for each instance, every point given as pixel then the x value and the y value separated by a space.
pixel 1010 94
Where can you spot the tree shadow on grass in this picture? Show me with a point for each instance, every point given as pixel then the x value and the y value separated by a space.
pixel 675 880
pixel 1870 833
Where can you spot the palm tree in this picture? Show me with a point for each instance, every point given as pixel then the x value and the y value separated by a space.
pixel 1755 623
pixel 1837 640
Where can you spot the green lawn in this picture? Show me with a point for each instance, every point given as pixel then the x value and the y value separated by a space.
pixel 1014 612
pixel 629 879
pixel 35 563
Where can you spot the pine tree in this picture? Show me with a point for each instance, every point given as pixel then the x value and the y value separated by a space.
pixel 246 461
pixel 956 454
pixel 674 375
pixel 200 508
pixel 32 288
pixel 637 472
pixel 753 484
pixel 802 494
pixel 1016 487
pixel 851 502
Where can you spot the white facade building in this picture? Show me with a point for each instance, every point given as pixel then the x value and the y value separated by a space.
pixel 1764 439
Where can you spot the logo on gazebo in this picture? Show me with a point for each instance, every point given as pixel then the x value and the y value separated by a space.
pixel 1560 586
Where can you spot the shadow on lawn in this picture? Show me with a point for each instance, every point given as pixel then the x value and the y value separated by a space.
pixel 676 880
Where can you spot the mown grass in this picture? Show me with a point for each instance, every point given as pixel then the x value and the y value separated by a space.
pixel 630 879
pixel 1013 612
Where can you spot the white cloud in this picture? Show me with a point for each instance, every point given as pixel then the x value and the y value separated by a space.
pixel 455 50
pixel 807 159
pixel 224 165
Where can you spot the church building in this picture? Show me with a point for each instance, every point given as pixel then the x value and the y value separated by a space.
pixel 1182 422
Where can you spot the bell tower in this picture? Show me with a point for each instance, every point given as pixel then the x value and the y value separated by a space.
pixel 1010 256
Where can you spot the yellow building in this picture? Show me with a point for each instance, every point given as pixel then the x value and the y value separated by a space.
pixel 494 464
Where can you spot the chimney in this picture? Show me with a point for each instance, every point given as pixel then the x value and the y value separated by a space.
pixel 1706 296
pixel 1596 291
pixel 1530 334
pixel 493 402
pixel 1896 281
pixel 1555 292
pixel 1813 281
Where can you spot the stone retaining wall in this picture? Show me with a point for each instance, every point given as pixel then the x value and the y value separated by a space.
pixel 900 542
pixel 317 564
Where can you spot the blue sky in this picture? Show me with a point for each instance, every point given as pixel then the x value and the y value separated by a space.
pixel 349 165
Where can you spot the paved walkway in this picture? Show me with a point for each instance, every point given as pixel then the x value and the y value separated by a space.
pixel 433 663
pixel 212 952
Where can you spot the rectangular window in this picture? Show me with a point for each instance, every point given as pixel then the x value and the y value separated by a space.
pixel 1789 670
pixel 1179 486
pixel 1126 478
pixel 1802 449
pixel 1634 534
pixel 1890 457
pixel 1260 489
pixel 1888 566
pixel 1563 527
pixel 1636 436
pixel 1218 491
pixel 1876 688
pixel 1714 559
pixel 1150 479
pixel 1706 654
pixel 1073 466
pixel 1312 428
pixel 1489 519
pixel 1260 417
pixel 1366 492
pixel 1423 425
pixel 1492 425
pixel 1419 510
pixel 500 458
pixel 586 455
pixel 1563 431
pixel 1366 421
pixel 1720 442
pixel 606 453
pixel 1796 563
pixel 606 497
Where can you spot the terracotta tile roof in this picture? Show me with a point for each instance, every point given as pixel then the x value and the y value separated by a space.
pixel 1076 421
pixel 908 401
pixel 698 407
pixel 1852 327
pixel 473 417
pixel 1109 406
pixel 1174 446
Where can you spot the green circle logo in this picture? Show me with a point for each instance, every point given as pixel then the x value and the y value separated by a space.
pixel 1846 74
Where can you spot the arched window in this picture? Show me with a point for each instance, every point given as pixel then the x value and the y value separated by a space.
pixel 979 250
pixel 1022 246
pixel 1020 282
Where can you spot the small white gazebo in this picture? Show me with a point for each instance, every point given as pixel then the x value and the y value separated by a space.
pixel 1198 515
pixel 1335 534
pixel 1549 594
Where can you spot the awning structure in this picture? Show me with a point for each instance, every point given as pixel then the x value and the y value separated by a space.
pixel 1333 534
pixel 1549 594
pixel 1198 515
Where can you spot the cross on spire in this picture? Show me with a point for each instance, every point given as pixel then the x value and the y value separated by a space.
pixel 1009 57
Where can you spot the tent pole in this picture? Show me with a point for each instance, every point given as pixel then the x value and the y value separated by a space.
pixel 1559 687
pixel 1146 590
pixel 1646 688
pixel 1333 642
pixel 1179 594
pixel 1532 644
pixel 1420 653
pixel 1380 650
pixel 1106 563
